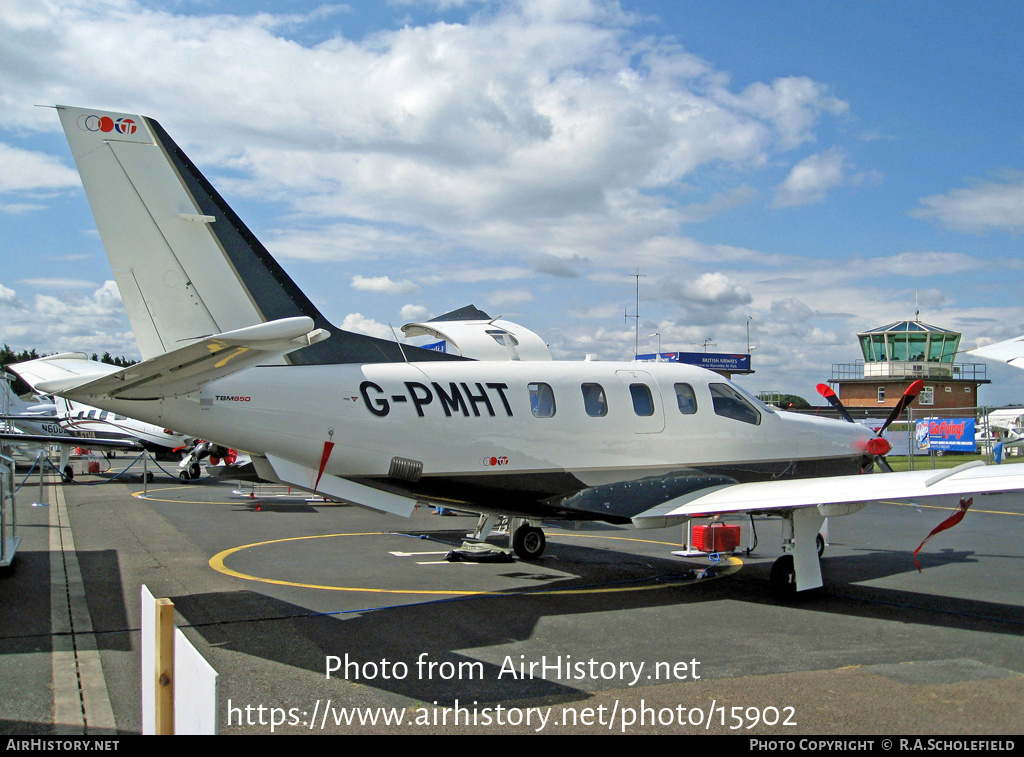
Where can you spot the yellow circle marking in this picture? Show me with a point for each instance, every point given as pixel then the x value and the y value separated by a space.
pixel 217 563
pixel 239 500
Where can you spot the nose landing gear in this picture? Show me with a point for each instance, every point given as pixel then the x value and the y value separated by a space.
pixel 526 537
pixel 529 542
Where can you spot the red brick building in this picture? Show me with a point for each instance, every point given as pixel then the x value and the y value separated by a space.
pixel 896 355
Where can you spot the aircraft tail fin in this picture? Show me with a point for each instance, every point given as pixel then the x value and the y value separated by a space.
pixel 10 403
pixel 185 264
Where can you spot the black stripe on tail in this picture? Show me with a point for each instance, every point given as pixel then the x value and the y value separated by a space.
pixel 272 291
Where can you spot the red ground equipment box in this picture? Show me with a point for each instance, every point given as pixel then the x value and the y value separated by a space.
pixel 717 537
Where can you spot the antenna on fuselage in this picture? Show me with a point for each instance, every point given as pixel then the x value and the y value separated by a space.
pixel 400 347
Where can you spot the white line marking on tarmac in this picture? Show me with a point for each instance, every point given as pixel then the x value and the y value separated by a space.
pixel 414 554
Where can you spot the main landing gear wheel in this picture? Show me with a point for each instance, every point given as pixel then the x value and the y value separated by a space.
pixel 195 471
pixel 820 541
pixel 782 579
pixel 184 477
pixel 69 473
pixel 529 542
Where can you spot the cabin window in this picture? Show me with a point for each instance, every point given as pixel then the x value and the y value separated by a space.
pixel 686 399
pixel 503 337
pixel 729 403
pixel 542 400
pixel 643 402
pixel 594 400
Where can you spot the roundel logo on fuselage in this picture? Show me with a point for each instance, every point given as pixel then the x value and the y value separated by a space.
pixel 107 124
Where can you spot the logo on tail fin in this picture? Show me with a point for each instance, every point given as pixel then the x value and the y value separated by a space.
pixel 107 124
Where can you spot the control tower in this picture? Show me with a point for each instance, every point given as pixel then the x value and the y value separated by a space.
pixel 896 355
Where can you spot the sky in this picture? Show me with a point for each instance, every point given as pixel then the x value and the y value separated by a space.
pixel 796 172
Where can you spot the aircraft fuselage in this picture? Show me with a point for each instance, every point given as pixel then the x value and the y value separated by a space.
pixel 508 430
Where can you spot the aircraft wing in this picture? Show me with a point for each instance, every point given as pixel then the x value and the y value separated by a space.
pixel 1011 351
pixel 71 441
pixel 180 371
pixel 837 495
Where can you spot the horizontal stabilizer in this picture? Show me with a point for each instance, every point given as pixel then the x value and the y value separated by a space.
pixel 75 368
pixel 294 474
pixel 837 495
pixel 180 371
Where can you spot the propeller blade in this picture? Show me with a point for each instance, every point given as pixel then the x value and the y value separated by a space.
pixel 908 396
pixel 833 399
pixel 881 462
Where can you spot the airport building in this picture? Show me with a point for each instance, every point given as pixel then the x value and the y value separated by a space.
pixel 896 355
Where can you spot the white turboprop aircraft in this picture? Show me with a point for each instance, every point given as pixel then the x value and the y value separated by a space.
pixel 235 353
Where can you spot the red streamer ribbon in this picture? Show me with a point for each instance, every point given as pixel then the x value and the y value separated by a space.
pixel 949 522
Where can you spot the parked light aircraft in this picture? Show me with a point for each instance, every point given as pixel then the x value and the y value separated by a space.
pixel 72 424
pixel 235 353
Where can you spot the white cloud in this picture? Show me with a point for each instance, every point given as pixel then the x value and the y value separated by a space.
pixel 506 297
pixel 716 289
pixel 383 285
pixel 793 106
pixel 361 324
pixel 56 283
pixel 983 206
pixel 791 310
pixel 27 171
pixel 88 323
pixel 471 274
pixel 553 265
pixel 413 313
pixel 19 208
pixel 9 298
pixel 921 264
pixel 528 116
pixel 810 179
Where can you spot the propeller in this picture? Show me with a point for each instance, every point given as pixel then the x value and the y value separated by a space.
pixel 833 399
pixel 879 446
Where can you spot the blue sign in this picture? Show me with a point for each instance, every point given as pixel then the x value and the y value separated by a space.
pixel 713 361
pixel 946 434
pixel 441 346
